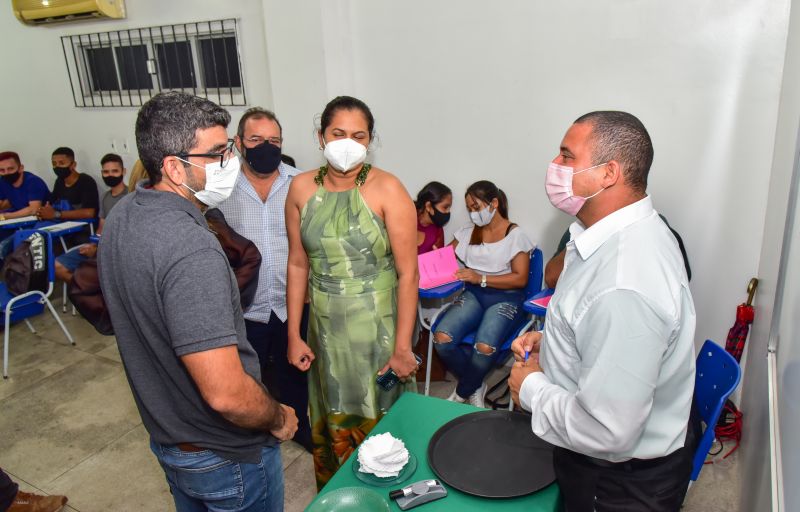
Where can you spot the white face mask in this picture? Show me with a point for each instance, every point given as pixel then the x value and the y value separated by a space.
pixel 482 217
pixel 344 154
pixel 219 181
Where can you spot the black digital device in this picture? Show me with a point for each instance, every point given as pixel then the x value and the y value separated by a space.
pixel 389 379
pixel 418 493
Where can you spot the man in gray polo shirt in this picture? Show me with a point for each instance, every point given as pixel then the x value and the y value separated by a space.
pixel 175 307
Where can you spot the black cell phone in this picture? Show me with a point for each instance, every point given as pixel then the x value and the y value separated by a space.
pixel 389 379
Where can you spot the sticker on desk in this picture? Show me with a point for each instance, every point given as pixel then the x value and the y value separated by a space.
pixel 64 225
pixel 19 220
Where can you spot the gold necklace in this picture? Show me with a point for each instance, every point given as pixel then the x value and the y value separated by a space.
pixel 360 179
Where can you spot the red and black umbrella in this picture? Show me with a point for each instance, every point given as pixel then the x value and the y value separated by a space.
pixel 737 336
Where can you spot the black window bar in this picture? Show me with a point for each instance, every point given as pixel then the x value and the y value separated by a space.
pixel 125 68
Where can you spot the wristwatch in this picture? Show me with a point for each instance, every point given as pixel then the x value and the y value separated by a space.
pixel 483 280
pixel 57 214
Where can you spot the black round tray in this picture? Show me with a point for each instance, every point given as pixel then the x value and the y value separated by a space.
pixel 492 454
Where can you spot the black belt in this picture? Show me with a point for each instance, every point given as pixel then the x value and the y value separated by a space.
pixel 189 447
pixel 628 465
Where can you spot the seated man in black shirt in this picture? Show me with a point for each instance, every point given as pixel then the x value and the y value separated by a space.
pixel 78 189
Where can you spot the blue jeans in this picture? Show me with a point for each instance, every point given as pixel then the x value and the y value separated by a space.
pixel 72 259
pixel 492 315
pixel 201 481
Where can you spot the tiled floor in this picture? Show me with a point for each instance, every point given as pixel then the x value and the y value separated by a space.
pixel 68 425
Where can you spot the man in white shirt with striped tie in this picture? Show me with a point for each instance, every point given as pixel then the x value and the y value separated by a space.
pixel 610 380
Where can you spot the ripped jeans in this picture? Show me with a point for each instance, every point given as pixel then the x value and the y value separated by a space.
pixel 493 315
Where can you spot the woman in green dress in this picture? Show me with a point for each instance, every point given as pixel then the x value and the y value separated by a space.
pixel 352 248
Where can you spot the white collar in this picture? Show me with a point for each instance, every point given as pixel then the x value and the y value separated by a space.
pixel 587 241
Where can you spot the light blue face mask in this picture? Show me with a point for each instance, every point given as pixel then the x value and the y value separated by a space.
pixel 482 217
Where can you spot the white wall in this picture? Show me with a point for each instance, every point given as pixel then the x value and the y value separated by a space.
pixel 471 90
pixel 487 90
pixel 38 111
pixel 469 93
pixel 755 468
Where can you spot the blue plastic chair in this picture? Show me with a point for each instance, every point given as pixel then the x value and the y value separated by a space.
pixel 716 377
pixel 535 309
pixel 61 234
pixel 440 292
pixel 534 286
pixel 28 304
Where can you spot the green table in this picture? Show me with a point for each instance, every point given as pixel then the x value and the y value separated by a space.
pixel 414 419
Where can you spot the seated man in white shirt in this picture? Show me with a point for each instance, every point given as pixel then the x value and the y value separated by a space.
pixel 610 381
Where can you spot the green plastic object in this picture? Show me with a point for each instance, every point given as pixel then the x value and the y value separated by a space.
pixel 350 499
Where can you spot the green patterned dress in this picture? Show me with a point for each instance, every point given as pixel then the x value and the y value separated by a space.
pixel 351 329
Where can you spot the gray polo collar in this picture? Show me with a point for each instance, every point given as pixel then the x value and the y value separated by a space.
pixel 149 197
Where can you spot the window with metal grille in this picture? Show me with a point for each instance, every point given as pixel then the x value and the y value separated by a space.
pixel 125 68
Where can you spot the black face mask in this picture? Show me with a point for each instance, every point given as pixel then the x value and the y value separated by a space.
pixel 264 158
pixel 61 172
pixel 112 181
pixel 11 178
pixel 438 218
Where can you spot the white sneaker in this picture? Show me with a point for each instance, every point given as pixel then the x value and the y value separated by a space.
pixel 455 398
pixel 476 398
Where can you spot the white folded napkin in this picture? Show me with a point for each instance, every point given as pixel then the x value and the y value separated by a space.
pixel 383 455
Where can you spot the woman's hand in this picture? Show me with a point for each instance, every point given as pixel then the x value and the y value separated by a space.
pixel 468 276
pixel 403 363
pixel 300 355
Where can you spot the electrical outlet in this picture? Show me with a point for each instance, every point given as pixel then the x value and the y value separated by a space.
pixel 125 146
pixel 114 145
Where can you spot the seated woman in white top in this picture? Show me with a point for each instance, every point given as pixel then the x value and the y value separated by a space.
pixel 496 256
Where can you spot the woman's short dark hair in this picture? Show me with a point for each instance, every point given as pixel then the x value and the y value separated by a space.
pixel 434 192
pixel 167 125
pixel 346 103
pixel 487 191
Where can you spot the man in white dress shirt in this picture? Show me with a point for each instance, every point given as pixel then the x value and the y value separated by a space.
pixel 610 381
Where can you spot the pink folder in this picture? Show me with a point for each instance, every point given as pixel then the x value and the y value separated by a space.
pixel 437 267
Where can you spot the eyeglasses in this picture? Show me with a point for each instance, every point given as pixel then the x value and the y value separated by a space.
pixel 224 157
pixel 257 140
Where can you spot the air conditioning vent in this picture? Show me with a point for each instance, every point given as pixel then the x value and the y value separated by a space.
pixel 42 12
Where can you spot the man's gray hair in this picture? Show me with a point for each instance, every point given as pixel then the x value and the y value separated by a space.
pixel 167 125
pixel 257 113
pixel 622 137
